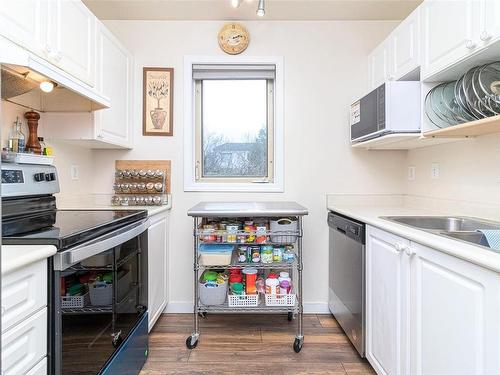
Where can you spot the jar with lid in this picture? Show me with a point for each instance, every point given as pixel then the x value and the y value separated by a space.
pixel 266 254
pixel 272 284
pixel 278 254
pixel 255 254
pixel 288 254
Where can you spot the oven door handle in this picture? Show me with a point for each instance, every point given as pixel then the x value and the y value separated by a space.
pixel 106 242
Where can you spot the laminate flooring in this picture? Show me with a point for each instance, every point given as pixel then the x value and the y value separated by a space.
pixel 251 344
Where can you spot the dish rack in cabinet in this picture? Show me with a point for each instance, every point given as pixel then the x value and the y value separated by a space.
pixel 289 304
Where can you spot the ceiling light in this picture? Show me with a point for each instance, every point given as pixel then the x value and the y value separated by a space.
pixel 47 86
pixel 235 3
pixel 261 12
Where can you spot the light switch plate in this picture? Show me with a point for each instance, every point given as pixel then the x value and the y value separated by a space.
pixel 435 171
pixel 75 172
pixel 411 173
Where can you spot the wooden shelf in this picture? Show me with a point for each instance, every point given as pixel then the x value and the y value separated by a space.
pixel 484 126
pixel 406 141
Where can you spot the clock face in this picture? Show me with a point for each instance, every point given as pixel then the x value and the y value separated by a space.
pixel 233 38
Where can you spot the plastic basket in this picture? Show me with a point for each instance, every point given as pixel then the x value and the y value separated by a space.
pixel 244 300
pixel 283 226
pixel 74 302
pixel 214 295
pixel 280 299
pixel 101 296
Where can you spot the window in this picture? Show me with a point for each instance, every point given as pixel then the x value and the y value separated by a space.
pixel 235 143
pixel 234 123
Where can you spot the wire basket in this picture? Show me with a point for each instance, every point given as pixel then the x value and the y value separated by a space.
pixel 284 230
pixel 280 299
pixel 244 300
pixel 75 302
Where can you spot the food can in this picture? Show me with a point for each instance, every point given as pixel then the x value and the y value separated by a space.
pixel 266 254
pixel 278 254
pixel 242 254
pixel 255 254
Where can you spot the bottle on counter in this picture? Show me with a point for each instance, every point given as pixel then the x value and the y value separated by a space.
pixel 42 145
pixel 17 140
pixel 272 284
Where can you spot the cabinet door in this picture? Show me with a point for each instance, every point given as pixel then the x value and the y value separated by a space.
pixel 114 81
pixel 157 270
pixel 72 35
pixel 489 30
pixel 405 46
pixel 450 32
pixel 25 23
pixel 455 324
pixel 387 287
pixel 378 65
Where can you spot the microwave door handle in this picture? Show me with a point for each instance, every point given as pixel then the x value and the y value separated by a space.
pixel 70 257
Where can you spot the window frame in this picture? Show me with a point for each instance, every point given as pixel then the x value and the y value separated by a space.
pixel 192 139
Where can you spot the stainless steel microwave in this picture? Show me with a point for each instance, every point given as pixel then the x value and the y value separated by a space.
pixel 393 107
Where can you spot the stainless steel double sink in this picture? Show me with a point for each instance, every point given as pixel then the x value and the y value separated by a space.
pixel 456 227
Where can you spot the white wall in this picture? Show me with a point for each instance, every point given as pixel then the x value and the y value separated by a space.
pixel 469 170
pixel 325 69
pixel 65 154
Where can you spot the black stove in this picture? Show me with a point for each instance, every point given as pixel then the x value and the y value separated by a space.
pixel 65 228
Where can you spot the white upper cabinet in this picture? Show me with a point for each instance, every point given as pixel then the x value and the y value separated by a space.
pixel 405 46
pixel 446 292
pixel 24 22
pixel 114 81
pixel 450 32
pixel 71 34
pixel 378 65
pixel 386 301
pixel 490 22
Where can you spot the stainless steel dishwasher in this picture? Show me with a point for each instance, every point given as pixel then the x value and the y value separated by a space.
pixel 346 278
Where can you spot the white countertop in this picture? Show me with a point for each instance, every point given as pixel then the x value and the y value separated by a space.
pixel 18 256
pixel 254 209
pixel 371 215
pixel 102 202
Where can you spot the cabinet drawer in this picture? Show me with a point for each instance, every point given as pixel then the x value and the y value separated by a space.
pixel 40 368
pixel 23 292
pixel 25 345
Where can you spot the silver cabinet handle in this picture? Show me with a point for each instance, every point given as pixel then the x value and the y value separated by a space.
pixel 409 251
pixel 399 247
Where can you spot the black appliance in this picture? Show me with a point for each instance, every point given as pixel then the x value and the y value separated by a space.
pixel 97 280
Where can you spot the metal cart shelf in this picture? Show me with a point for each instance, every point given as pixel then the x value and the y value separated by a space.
pixel 253 210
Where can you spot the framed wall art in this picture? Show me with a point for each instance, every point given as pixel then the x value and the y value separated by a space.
pixel 157 108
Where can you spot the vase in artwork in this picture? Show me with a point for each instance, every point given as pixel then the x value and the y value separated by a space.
pixel 158 117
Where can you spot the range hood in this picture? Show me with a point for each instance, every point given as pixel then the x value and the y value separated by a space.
pixel 21 85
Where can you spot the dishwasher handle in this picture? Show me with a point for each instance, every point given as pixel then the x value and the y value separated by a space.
pixel 347 226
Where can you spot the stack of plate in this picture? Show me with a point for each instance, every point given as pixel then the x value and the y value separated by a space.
pixel 474 96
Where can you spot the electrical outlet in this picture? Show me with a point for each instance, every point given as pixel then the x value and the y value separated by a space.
pixel 411 173
pixel 435 171
pixel 75 172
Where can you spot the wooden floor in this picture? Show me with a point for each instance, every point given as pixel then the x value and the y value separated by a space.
pixel 251 344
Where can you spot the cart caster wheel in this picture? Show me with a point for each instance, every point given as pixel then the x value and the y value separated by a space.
pixel 203 315
pixel 190 344
pixel 297 345
pixel 116 341
pixel 290 316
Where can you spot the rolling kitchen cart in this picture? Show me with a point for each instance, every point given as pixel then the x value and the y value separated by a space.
pixel 291 304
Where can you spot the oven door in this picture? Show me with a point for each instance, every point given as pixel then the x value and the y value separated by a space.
pixel 99 297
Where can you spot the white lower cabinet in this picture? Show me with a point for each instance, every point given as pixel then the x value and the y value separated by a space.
pixel 157 267
pixel 387 281
pixel 40 368
pixel 25 344
pixel 429 313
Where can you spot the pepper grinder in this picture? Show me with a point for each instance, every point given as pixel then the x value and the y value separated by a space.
pixel 33 144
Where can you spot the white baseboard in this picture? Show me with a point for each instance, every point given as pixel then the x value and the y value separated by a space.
pixel 187 308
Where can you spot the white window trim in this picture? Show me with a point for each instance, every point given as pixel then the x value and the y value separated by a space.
pixel 190 183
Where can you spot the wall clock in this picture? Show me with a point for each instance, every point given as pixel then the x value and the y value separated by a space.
pixel 233 38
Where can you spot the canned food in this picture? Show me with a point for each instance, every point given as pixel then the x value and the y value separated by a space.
pixel 266 254
pixel 278 254
pixel 242 254
pixel 255 254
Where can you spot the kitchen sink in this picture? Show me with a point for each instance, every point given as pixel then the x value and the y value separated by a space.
pixel 444 223
pixel 455 227
pixel 476 238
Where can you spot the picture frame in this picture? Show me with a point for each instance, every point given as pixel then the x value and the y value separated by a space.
pixel 158 99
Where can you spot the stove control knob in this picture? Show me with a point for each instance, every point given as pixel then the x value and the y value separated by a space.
pixel 39 177
pixel 52 176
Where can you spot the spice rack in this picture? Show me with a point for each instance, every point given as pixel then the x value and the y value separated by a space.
pixel 141 183
pixel 289 304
